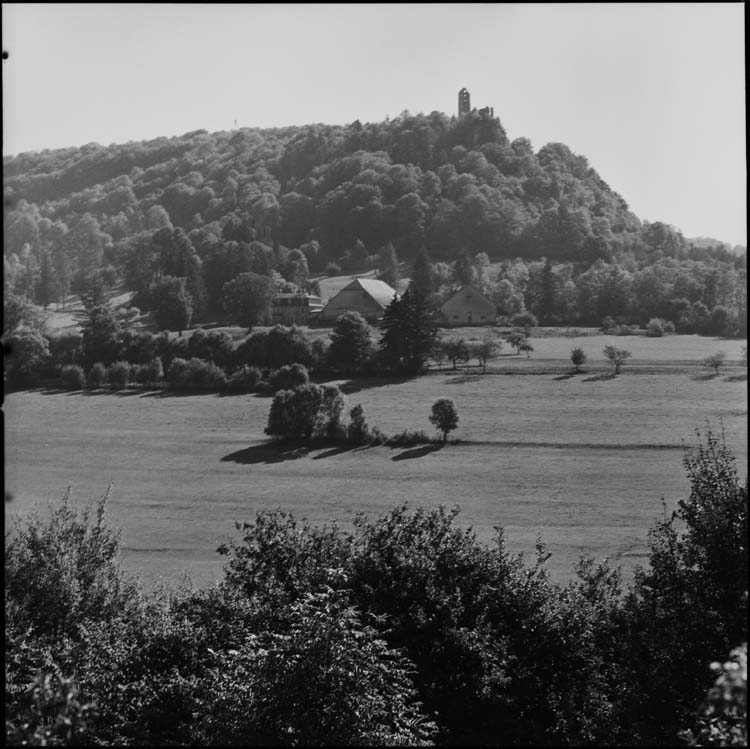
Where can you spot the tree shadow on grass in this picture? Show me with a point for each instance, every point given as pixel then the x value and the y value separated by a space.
pixel 267 452
pixel 705 377
pixel 736 378
pixel 566 376
pixel 601 377
pixel 418 452
pixel 368 383
pixel 333 451
pixel 177 393
pixel 461 379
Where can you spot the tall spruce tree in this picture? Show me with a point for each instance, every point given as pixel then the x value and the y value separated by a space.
pixel 547 307
pixel 423 276
pixel 409 333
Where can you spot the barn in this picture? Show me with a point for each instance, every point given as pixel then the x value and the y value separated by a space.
pixel 468 306
pixel 364 295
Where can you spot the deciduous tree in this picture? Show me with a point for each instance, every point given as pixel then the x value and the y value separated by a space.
pixel 444 416
pixel 247 299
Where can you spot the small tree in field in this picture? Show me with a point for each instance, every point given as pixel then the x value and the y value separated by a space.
pixel 715 360
pixel 578 357
pixel 516 338
pixel 486 349
pixel 456 350
pixel 617 356
pixel 527 348
pixel 444 416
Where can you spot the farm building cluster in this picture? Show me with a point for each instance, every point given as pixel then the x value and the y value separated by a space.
pixel 370 297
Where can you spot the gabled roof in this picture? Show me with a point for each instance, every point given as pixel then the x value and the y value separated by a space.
pixel 380 291
pixel 471 290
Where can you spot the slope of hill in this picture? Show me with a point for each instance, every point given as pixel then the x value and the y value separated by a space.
pixel 296 202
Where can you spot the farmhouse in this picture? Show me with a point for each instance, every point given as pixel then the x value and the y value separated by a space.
pixel 295 309
pixel 468 307
pixel 364 295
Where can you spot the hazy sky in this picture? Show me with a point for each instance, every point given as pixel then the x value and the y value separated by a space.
pixel 652 94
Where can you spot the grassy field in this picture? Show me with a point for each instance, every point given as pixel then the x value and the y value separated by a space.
pixel 581 460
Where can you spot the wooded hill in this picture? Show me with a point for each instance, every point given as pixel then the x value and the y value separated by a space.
pixel 291 202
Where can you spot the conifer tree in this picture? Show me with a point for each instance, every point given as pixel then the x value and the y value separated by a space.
pixel 423 277
pixel 409 333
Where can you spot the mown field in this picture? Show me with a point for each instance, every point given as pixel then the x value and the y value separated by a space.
pixel 582 461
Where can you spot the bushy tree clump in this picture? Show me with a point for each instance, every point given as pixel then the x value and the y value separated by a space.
pixel 289 377
pixel 118 375
pixel 308 412
pixel 195 375
pixel 244 380
pixel 72 377
pixel 97 376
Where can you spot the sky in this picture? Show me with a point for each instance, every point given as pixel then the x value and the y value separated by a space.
pixel 652 94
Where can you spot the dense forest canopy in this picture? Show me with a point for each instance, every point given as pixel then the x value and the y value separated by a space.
pixel 294 202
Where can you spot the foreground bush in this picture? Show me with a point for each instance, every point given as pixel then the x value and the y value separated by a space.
pixel 722 718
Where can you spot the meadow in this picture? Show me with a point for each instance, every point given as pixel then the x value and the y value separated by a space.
pixel 582 461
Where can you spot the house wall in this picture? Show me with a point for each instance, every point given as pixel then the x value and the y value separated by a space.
pixel 468 308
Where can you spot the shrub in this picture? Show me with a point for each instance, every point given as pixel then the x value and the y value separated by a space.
pixel 65 571
pixel 625 330
pixel 409 438
pixel 97 375
pixel 26 356
pixel 608 325
pixel 333 269
pixel 669 327
pixel 64 348
pixel 655 327
pixel 578 357
pixel 72 377
pixel 331 681
pixel 289 377
pixel 715 361
pixel 524 320
pixel 616 356
pixel 195 375
pixel 357 432
pixel 722 718
pixel 244 380
pixel 51 716
pixel 149 374
pixel 118 375
pixel 212 346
